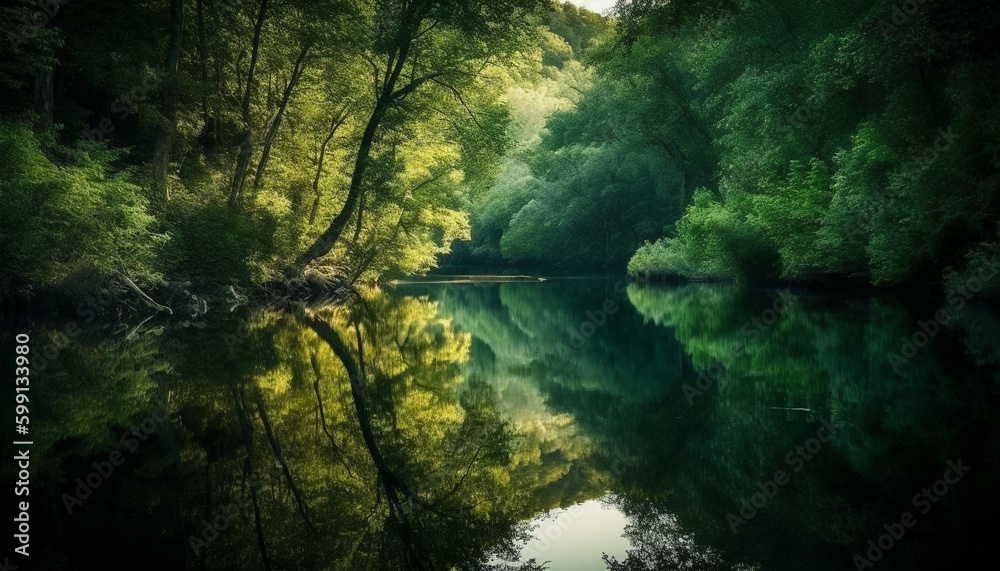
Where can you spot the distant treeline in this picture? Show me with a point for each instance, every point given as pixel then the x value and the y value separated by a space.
pixel 750 140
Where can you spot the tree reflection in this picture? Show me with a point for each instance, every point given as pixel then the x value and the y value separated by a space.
pixel 418 432
pixel 336 438
pixel 395 411
pixel 824 359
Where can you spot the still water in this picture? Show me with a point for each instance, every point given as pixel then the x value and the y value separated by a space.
pixel 579 424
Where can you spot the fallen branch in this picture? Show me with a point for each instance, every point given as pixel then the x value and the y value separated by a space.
pixel 142 295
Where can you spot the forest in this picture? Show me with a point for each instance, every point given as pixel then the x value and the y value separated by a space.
pixel 245 141
pixel 396 284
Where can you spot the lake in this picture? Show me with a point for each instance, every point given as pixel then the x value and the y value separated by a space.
pixel 584 422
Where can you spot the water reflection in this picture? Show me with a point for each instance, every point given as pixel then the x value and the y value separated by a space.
pixel 575 538
pixel 427 426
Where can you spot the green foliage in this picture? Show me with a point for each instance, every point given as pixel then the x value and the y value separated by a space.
pixel 660 260
pixel 828 142
pixel 563 199
pixel 581 29
pixel 269 107
pixel 593 208
pixel 789 214
pixel 479 408
pixel 828 151
pixel 712 242
pixel 981 265
pixel 218 243
pixel 79 219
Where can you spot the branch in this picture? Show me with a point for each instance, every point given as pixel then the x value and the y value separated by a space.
pixel 415 84
pixel 142 295
pixel 458 485
pixel 427 29
pixel 375 71
pixel 458 95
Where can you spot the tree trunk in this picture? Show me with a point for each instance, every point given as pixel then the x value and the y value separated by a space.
pixel 165 134
pixel 361 213
pixel 390 479
pixel 242 164
pixel 242 413
pixel 335 124
pixel 322 417
pixel 685 177
pixel 254 53
pixel 276 123
pixel 246 144
pixel 280 456
pixel 395 487
pixel 203 60
pixel 44 106
pixel 386 98
pixel 329 237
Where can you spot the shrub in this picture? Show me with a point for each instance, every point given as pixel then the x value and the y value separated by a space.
pixel 713 241
pixel 61 222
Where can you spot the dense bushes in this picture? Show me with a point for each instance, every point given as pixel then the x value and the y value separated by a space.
pixel 218 243
pixel 846 148
pixel 72 223
pixel 75 223
pixel 711 242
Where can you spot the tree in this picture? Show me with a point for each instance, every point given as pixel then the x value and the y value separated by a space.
pixel 165 134
pixel 444 44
